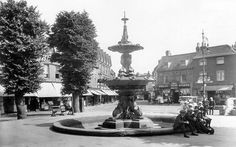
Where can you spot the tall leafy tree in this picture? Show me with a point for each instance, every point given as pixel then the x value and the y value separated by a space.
pixel 73 35
pixel 22 44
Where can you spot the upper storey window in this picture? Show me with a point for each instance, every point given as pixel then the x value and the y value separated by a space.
pixel 184 62
pixel 220 60
pixel 57 74
pixel 202 62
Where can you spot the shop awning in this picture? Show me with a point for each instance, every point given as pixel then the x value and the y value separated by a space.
pixel 88 93
pixel 101 92
pixel 110 92
pixel 219 88
pixel 94 92
pixel 50 90
pixel 2 90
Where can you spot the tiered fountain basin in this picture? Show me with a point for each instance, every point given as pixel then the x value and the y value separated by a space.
pixel 128 83
pixel 125 48
pixel 93 126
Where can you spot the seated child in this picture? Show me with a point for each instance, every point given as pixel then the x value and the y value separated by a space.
pixel 182 124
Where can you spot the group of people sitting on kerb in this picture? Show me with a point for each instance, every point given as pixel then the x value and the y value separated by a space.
pixel 193 118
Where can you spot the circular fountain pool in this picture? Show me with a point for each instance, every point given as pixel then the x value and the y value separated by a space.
pixel 91 126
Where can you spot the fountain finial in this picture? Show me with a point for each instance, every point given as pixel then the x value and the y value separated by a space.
pixel 124 39
pixel 124 18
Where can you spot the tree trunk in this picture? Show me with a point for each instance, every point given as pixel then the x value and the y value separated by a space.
pixel 76 102
pixel 21 107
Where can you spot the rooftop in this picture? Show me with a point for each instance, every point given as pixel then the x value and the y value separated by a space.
pixel 214 51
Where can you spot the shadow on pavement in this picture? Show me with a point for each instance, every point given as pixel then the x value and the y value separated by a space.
pixel 220 138
pixel 44 125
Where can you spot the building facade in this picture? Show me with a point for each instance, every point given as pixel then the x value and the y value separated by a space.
pixel 50 92
pixel 182 74
pixel 173 76
pixel 220 72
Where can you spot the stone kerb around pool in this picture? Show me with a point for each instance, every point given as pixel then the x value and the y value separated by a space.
pixel 67 126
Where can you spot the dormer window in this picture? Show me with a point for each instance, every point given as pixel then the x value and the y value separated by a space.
pixel 184 62
pixel 168 64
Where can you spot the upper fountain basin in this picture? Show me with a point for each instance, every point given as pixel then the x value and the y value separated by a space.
pixel 125 48
pixel 128 83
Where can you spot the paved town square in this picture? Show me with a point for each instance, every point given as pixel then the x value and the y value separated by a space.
pixel 35 131
pixel 108 73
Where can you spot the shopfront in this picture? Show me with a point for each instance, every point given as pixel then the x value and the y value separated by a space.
pixel 185 89
pixel 220 93
pixel 163 90
pixel 174 92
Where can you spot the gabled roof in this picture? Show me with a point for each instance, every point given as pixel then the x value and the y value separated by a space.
pixel 221 50
pixel 175 62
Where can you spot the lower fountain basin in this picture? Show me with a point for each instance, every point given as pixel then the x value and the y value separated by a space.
pixel 162 125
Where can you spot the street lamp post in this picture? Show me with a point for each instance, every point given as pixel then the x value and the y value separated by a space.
pixel 204 48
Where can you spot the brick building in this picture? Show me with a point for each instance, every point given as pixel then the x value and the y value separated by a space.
pixel 182 74
pixel 51 86
pixel 174 75
pixel 220 72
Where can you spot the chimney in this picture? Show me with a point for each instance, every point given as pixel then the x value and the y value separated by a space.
pixel 168 53
pixel 198 47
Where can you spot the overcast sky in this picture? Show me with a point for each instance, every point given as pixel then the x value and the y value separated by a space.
pixel 157 25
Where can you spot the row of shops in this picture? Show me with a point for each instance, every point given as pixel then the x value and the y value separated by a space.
pixel 220 93
pixel 50 95
pixel 172 91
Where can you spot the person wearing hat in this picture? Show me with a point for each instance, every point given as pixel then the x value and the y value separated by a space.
pixel 198 123
pixel 191 118
pixel 211 106
pixel 203 123
pixel 182 124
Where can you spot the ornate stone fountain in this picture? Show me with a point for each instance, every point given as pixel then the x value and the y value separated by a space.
pixel 127 118
pixel 127 114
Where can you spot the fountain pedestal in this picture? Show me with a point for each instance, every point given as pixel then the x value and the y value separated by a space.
pixel 128 123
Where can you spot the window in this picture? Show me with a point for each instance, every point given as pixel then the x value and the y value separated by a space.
pixel 202 62
pixel 220 75
pixel 166 65
pixel 201 74
pixel 183 78
pixel 184 62
pixel 169 63
pixel 166 79
pixel 46 71
pixel 57 74
pixel 220 60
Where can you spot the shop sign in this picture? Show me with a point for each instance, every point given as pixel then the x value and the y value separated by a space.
pixel 174 86
pixel 184 85
pixel 163 86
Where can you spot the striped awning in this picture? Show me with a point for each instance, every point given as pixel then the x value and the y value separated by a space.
pixel 88 93
pixel 109 92
pixel 219 88
pixel 94 92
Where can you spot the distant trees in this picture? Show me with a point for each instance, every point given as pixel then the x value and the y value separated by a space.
pixel 22 44
pixel 73 36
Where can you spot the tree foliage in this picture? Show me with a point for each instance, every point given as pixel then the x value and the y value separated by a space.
pixel 22 44
pixel 73 36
